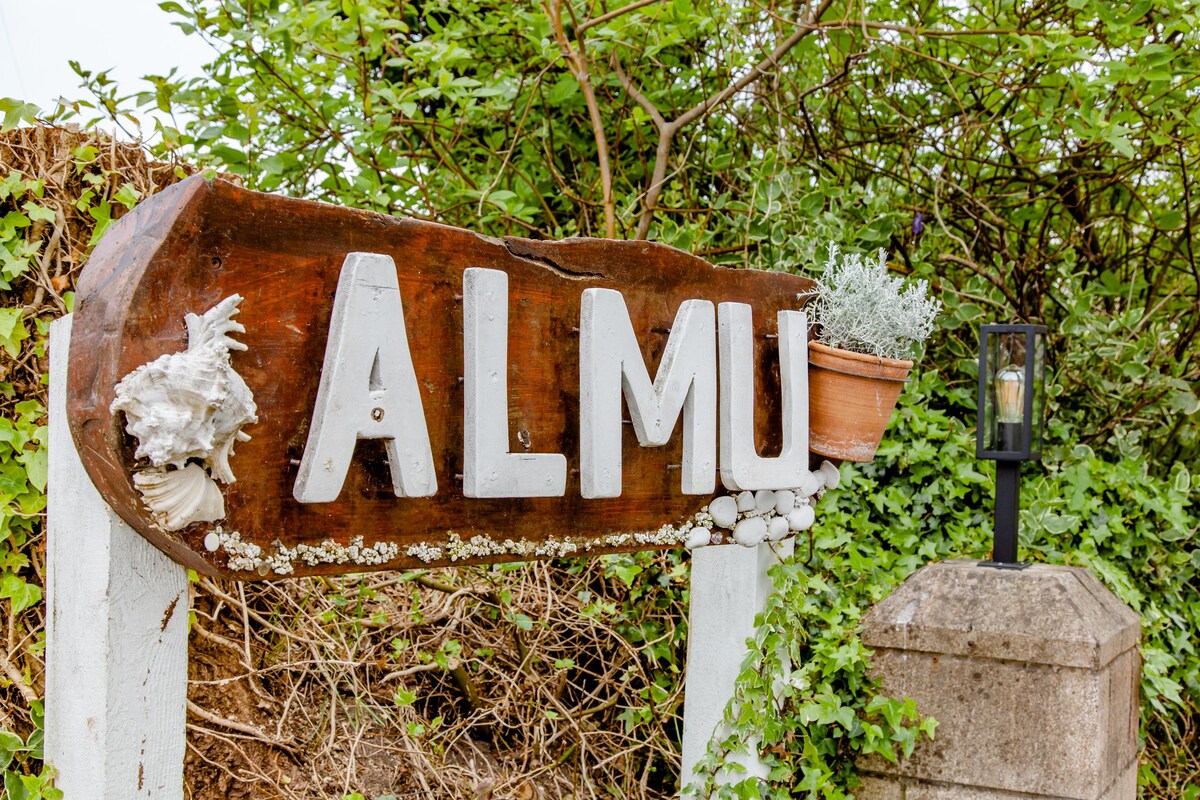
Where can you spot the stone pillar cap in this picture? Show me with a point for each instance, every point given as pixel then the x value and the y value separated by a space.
pixel 1061 616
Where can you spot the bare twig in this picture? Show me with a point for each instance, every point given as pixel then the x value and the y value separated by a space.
pixel 611 15
pixel 667 130
pixel 577 58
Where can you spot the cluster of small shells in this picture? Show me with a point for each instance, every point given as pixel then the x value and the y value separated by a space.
pixel 748 518
pixel 482 546
pixel 479 546
pixel 249 557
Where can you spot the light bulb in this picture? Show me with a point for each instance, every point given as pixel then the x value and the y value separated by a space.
pixel 1010 394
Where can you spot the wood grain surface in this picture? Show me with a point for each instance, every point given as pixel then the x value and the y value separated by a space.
pixel 200 241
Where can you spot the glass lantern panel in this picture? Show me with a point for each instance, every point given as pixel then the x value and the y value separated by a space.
pixel 1006 391
pixel 991 356
pixel 1039 393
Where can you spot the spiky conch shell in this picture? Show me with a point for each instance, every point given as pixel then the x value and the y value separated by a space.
pixel 178 497
pixel 187 410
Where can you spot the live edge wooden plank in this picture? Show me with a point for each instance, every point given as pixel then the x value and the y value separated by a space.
pixel 200 241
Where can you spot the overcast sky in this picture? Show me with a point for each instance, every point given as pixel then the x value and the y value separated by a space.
pixel 134 37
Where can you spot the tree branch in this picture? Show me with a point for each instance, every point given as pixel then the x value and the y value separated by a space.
pixel 667 130
pixel 659 121
pixel 611 15
pixel 578 64
pixel 757 71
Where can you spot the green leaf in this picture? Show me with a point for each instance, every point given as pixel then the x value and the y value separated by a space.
pixel 626 572
pixel 38 212
pixel 127 195
pixel 36 467
pixel 15 787
pixel 566 88
pixel 102 214
pixel 10 745
pixel 1059 523
pixel 15 112
pixel 1153 55
pixel 1183 479
pixel 1121 143
pixel 21 594
pixel 12 330
pixel 1170 219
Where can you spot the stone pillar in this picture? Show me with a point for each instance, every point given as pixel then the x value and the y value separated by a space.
pixel 1032 675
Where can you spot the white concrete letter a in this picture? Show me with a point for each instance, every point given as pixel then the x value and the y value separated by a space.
pixel 368 388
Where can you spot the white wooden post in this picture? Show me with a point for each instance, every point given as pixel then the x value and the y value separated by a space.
pixel 729 587
pixel 116 640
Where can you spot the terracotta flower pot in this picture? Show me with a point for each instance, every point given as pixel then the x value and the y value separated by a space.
pixel 850 400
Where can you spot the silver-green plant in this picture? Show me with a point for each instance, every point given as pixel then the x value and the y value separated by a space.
pixel 858 306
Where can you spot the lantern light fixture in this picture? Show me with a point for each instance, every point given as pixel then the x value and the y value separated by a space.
pixel 1011 409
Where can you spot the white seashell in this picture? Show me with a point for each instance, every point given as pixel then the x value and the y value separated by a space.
pixel 764 500
pixel 829 475
pixel 802 518
pixel 750 531
pixel 785 501
pixel 777 529
pixel 187 411
pixel 810 484
pixel 724 511
pixel 191 405
pixel 745 501
pixel 178 497
pixel 697 537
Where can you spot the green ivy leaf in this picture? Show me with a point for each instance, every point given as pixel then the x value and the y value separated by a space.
pixel 1183 480
pixel 522 621
pixel 15 112
pixel 39 212
pixel 12 330
pixel 102 214
pixel 21 593
pixel 127 195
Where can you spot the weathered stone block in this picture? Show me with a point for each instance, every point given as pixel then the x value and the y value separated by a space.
pixel 1032 674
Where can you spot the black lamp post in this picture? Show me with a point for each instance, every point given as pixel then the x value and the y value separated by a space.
pixel 1012 403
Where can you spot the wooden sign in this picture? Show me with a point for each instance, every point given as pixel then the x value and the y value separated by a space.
pixel 264 386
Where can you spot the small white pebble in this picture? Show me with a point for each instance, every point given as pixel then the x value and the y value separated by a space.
pixel 717 538
pixel 810 484
pixel 750 532
pixel 764 500
pixel 785 501
pixel 212 541
pixel 830 475
pixel 745 501
pixel 802 518
pixel 697 537
pixel 777 529
pixel 724 511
